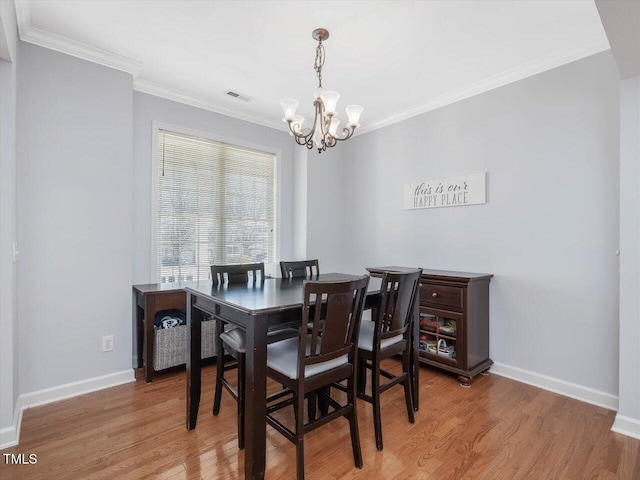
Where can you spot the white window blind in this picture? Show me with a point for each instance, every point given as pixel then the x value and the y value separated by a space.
pixel 216 205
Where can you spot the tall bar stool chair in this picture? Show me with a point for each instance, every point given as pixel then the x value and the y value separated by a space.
pixel 313 361
pixel 387 335
pixel 233 341
pixel 300 269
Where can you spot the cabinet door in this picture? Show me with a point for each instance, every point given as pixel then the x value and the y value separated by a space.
pixel 442 336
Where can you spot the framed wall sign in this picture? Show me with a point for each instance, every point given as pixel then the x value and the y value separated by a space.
pixel 446 192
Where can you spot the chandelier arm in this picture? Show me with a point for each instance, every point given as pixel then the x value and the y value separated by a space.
pixel 303 140
pixel 331 141
pixel 300 140
pixel 320 115
pixel 316 104
pixel 348 132
pixel 298 136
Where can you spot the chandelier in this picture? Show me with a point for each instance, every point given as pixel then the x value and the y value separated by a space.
pixel 324 131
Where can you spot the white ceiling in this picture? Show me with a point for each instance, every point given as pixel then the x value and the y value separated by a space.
pixel 395 58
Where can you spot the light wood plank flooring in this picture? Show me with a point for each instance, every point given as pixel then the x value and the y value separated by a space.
pixel 497 429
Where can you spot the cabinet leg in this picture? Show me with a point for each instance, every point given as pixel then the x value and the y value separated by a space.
pixel 464 381
pixel 485 372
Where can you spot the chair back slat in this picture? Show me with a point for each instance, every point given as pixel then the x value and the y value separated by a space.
pixel 300 269
pixel 237 273
pixel 334 311
pixel 398 292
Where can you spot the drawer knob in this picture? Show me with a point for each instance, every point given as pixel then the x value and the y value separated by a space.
pixel 434 294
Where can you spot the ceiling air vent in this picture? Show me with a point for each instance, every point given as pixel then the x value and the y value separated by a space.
pixel 239 96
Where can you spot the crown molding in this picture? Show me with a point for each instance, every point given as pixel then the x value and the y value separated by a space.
pixel 28 33
pixel 159 90
pixel 23 15
pixel 534 67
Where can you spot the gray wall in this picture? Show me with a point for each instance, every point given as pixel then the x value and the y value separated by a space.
pixel 549 229
pixel 74 218
pixel 8 271
pixel 300 176
pixel 326 184
pixel 148 109
pixel 628 418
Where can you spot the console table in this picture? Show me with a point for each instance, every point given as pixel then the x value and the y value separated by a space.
pixel 149 299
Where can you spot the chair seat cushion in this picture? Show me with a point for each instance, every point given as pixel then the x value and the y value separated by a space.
pixel 365 340
pixel 236 339
pixel 283 357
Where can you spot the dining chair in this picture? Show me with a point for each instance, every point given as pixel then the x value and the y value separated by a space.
pixel 233 341
pixel 316 360
pixel 299 269
pixel 387 335
pixel 237 273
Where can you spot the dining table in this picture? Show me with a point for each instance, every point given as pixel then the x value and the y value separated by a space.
pixel 255 307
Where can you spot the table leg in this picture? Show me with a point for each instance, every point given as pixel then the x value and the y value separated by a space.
pixel 194 367
pixel 415 356
pixel 256 395
pixel 149 313
pixel 139 332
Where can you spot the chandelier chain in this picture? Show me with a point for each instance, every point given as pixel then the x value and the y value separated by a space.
pixel 319 62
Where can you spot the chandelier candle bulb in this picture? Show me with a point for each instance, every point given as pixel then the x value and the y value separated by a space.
pixel 353 112
pixel 324 124
pixel 330 100
pixel 333 128
pixel 289 106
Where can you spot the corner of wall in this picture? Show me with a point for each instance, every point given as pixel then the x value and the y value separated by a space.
pixel 626 426
pixel 10 436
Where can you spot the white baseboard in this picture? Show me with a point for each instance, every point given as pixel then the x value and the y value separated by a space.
pixel 61 392
pixel 568 389
pixel 10 436
pixel 627 426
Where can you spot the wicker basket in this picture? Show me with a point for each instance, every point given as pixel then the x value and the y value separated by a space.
pixel 170 345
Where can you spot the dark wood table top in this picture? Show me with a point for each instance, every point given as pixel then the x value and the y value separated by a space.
pixel 271 295
pixel 159 288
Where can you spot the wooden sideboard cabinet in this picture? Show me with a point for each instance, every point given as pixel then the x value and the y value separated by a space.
pixel 454 322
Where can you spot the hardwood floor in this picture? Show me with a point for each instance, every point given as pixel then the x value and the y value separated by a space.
pixel 497 429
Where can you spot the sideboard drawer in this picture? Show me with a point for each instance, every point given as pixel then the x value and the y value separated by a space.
pixel 441 295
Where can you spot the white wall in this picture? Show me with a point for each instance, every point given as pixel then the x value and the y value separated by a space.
pixel 628 417
pixel 148 109
pixel 326 185
pixel 300 176
pixel 9 414
pixel 549 229
pixel 74 150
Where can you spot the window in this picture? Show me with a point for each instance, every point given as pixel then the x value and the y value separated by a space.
pixel 216 205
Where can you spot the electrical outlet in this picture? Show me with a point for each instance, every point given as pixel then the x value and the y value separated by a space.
pixel 107 343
